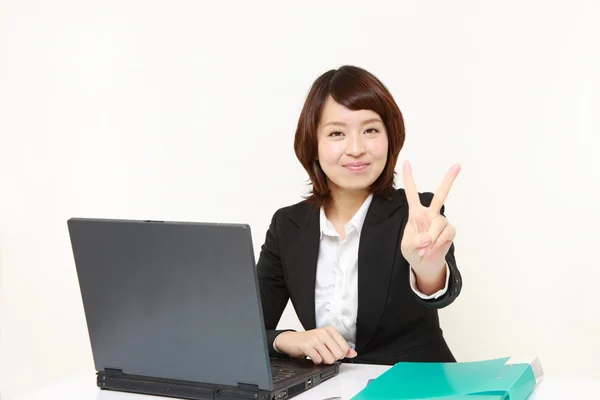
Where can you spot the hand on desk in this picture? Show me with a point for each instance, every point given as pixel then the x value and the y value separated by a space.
pixel 322 345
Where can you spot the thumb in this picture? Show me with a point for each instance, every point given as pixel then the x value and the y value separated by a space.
pixel 420 241
pixel 351 353
pixel 413 241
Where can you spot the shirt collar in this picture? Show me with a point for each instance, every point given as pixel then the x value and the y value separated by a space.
pixel 357 221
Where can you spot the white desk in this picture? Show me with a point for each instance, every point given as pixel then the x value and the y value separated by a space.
pixel 351 380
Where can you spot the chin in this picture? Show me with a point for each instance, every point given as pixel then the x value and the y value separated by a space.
pixel 355 186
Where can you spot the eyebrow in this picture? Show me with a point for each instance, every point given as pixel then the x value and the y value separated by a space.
pixel 368 121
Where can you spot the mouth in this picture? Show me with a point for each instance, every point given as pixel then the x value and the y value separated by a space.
pixel 356 166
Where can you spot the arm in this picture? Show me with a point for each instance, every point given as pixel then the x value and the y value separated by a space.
pixel 454 286
pixel 440 289
pixel 429 291
pixel 273 291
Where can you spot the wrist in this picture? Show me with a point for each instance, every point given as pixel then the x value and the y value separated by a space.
pixel 280 340
pixel 430 280
pixel 428 272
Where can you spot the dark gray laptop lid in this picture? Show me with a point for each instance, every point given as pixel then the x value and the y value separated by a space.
pixel 172 300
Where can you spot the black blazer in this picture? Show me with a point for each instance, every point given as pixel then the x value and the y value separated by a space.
pixel 393 323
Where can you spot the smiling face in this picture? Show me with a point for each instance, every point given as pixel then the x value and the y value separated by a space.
pixel 352 147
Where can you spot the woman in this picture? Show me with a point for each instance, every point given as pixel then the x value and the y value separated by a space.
pixel 366 266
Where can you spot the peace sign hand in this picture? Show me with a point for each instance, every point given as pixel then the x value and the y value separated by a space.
pixel 428 235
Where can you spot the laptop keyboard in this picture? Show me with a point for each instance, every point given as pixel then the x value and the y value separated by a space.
pixel 280 373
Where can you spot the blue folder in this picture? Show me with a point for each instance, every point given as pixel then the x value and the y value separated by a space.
pixel 497 379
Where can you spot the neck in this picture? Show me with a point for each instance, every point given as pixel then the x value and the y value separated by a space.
pixel 345 203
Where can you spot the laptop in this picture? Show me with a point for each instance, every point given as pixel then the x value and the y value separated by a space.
pixel 173 309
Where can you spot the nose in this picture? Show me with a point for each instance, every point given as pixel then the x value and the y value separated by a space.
pixel 356 145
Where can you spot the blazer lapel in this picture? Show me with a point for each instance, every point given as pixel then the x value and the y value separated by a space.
pixel 302 262
pixel 379 245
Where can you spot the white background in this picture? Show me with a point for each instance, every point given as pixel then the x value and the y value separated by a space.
pixel 186 110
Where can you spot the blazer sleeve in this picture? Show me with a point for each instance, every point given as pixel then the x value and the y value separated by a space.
pixel 455 280
pixel 273 291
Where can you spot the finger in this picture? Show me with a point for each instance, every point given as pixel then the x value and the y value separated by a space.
pixel 442 193
pixel 437 226
pixel 341 343
pixel 422 240
pixel 415 244
pixel 335 348
pixel 446 237
pixel 410 187
pixel 351 353
pixel 325 354
pixel 314 355
pixel 444 248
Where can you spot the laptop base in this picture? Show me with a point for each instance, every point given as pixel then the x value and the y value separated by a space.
pixel 116 380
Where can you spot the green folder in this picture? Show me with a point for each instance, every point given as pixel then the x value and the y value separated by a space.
pixel 478 380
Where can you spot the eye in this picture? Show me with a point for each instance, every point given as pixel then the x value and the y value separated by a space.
pixel 336 134
pixel 372 130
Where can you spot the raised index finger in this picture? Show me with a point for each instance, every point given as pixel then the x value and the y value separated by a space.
pixel 442 193
pixel 409 186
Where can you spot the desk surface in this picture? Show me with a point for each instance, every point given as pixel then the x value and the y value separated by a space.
pixel 351 380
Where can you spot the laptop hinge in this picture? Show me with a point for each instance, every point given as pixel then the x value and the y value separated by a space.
pixel 113 371
pixel 247 386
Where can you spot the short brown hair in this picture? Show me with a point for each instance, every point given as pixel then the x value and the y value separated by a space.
pixel 355 89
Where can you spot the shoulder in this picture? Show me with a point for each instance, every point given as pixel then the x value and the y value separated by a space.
pixel 292 210
pixel 425 197
pixel 300 213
